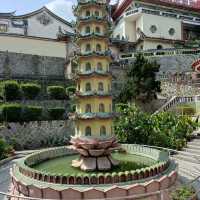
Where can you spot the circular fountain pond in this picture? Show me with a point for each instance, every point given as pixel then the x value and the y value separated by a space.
pixel 51 169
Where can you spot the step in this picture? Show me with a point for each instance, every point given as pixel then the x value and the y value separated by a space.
pixel 194 142
pixel 191 146
pixel 192 151
pixel 187 158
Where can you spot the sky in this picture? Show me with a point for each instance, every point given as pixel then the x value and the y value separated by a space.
pixel 63 8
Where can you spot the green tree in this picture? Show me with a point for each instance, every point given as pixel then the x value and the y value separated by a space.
pixel 141 84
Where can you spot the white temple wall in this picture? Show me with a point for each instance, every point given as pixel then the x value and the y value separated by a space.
pixel 32 46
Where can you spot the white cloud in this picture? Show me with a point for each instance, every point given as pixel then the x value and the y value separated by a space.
pixel 63 8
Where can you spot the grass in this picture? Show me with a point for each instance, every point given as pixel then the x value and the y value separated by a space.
pixel 62 165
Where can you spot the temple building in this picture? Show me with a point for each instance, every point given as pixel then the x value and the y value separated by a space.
pixel 157 24
pixel 41 23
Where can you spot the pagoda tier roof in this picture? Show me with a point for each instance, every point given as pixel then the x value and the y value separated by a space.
pixel 94 73
pixel 89 3
pixel 167 3
pixel 95 53
pixel 97 94
pixel 92 36
pixel 99 115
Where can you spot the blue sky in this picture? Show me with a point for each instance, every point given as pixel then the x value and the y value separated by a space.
pixel 62 8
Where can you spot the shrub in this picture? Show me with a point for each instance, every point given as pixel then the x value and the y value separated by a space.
pixel 183 193
pixel 163 129
pixel 30 90
pixel 5 149
pixel 56 113
pixel 56 92
pixel 11 112
pixel 10 90
pixel 31 113
pixel 71 90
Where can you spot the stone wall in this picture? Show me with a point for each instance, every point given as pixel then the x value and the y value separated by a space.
pixel 35 135
pixel 31 66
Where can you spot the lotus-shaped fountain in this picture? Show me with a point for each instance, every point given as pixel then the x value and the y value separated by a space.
pixel 95 153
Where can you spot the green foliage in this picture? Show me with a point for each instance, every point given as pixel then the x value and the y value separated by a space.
pixel 71 90
pixel 56 113
pixel 5 149
pixel 163 129
pixel 31 113
pixel 183 193
pixel 10 90
pixel 11 112
pixel 141 83
pixel 56 92
pixel 30 90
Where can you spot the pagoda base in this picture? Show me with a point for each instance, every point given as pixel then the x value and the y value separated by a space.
pixel 102 163
pixel 95 154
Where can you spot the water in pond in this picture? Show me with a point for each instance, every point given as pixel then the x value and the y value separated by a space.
pixel 62 165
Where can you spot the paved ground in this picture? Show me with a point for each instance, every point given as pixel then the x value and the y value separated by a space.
pixel 5 178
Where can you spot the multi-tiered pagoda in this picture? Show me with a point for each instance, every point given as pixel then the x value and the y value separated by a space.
pixel 93 134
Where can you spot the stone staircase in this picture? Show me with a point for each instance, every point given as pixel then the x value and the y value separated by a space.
pixel 189 163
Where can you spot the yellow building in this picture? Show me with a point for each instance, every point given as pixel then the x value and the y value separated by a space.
pixel 94 102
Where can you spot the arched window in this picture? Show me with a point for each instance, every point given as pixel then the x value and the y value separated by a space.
pixel 87 87
pixel 98 47
pixel 96 13
pixel 88 48
pixel 100 86
pixel 87 13
pixel 99 66
pixel 102 131
pixel 87 29
pixel 101 107
pixel 159 47
pixel 88 131
pixel 88 108
pixel 88 67
pixel 97 29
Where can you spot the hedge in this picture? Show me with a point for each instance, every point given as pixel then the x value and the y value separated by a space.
pixel 11 112
pixel 10 90
pixel 31 113
pixel 71 90
pixel 30 90
pixel 56 92
pixel 56 113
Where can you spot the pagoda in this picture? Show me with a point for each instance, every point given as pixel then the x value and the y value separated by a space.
pixel 94 138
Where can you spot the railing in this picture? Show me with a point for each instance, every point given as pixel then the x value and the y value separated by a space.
pixel 161 13
pixel 157 53
pixel 177 100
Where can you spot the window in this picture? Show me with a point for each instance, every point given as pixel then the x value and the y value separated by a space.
pixel 101 107
pixel 87 87
pixel 87 29
pixel 171 31
pixel 88 48
pixel 88 67
pixel 99 66
pixel 87 13
pixel 100 86
pixel 97 29
pixel 109 87
pixel 88 108
pixel 3 28
pixel 159 47
pixel 110 107
pixel 96 13
pixel 102 131
pixel 153 28
pixel 88 131
pixel 98 47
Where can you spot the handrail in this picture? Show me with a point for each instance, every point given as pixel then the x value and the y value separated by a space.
pixel 177 100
